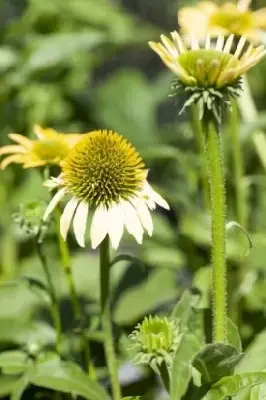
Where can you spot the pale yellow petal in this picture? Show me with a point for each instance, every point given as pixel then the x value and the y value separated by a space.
pixel 67 216
pixel 259 18
pixel 15 158
pixel 80 222
pixel 12 149
pixel 23 140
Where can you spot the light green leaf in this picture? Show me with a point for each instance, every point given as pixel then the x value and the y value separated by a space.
pixel 7 384
pixel 216 360
pixel 233 335
pixel 230 386
pixel 53 49
pixel 20 387
pixel 14 362
pixel 142 299
pixel 67 378
pixel 182 365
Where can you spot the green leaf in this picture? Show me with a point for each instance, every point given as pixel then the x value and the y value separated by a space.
pixel 53 49
pixel 216 361
pixel 254 358
pixel 7 384
pixel 20 387
pixel 230 386
pixel 67 378
pixel 233 336
pixel 14 362
pixel 142 299
pixel 182 365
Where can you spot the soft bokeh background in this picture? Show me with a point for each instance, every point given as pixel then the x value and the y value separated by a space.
pixel 80 65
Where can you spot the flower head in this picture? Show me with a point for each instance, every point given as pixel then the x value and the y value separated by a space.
pixel 105 173
pixel 155 340
pixel 208 75
pixel 50 148
pixel 209 18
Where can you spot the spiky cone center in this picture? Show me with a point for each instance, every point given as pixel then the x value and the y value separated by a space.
pixel 103 168
pixel 50 150
pixel 156 336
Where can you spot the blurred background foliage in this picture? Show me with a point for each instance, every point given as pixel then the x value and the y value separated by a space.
pixel 80 65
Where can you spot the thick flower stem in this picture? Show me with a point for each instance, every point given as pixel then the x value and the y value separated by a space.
pixel 65 259
pixel 106 318
pixel 200 140
pixel 55 309
pixel 218 207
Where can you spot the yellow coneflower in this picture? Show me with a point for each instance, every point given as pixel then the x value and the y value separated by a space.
pixel 208 75
pixel 50 148
pixel 209 18
pixel 103 172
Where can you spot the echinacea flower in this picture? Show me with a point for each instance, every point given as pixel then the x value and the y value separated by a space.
pixel 51 148
pixel 104 173
pixel 155 341
pixel 208 75
pixel 209 18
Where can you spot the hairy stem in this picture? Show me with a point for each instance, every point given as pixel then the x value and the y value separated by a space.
pixel 200 140
pixel 218 207
pixel 55 309
pixel 65 260
pixel 106 318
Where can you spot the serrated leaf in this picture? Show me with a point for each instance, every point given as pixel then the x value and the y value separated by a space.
pixel 181 371
pixel 216 360
pixel 230 386
pixel 67 378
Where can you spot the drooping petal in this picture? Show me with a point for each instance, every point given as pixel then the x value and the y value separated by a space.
pixel 53 203
pixel 12 149
pixel 156 197
pixel 220 43
pixel 80 222
pixel 23 140
pixel 240 46
pixel 144 216
pixel 132 221
pixel 228 44
pixel 99 226
pixel 67 216
pixel 15 158
pixel 115 225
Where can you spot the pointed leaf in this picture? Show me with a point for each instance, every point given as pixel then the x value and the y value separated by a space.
pixel 216 361
pixel 67 378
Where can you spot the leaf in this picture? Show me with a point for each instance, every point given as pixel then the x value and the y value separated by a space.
pixel 132 111
pixel 67 378
pixel 53 49
pixel 181 371
pixel 234 224
pixel 20 387
pixel 230 386
pixel 7 384
pixel 233 335
pixel 216 361
pixel 139 300
pixel 254 358
pixel 14 362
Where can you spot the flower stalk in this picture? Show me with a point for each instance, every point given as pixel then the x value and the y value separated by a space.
pixel 106 318
pixel 218 209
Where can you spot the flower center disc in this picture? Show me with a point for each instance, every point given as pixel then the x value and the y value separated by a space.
pixel 232 19
pixel 50 150
pixel 103 168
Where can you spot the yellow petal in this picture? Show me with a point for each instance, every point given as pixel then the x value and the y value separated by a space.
pixel 12 149
pixel 259 18
pixel 42 133
pixel 15 158
pixel 23 140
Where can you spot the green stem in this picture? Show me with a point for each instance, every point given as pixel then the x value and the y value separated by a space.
pixel 55 309
pixel 218 207
pixel 164 374
pixel 200 140
pixel 106 318
pixel 249 114
pixel 65 260
pixel 238 164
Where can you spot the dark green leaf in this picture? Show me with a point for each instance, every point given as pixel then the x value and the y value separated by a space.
pixel 67 378
pixel 231 385
pixel 216 361
pixel 181 370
